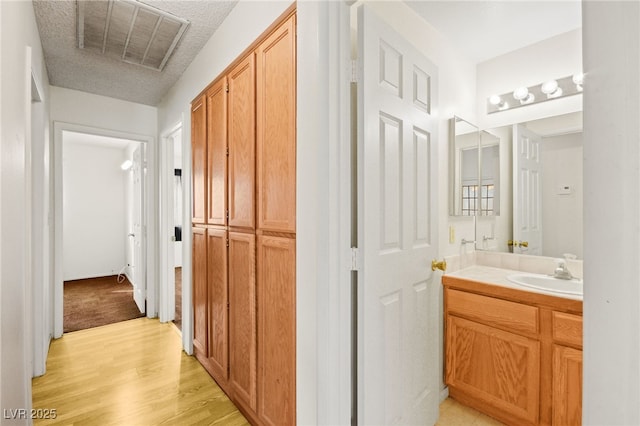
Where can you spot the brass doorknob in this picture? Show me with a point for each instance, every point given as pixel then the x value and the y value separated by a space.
pixel 524 244
pixel 442 265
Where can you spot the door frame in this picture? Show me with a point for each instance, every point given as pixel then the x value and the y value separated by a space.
pixel 166 295
pixel 323 214
pixel 58 295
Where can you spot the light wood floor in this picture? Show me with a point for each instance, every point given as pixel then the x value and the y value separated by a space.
pixel 452 413
pixel 129 373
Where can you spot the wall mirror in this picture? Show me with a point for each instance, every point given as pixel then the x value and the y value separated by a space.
pixel 474 169
pixel 542 190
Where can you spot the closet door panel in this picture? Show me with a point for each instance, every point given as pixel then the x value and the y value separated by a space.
pixel 217 152
pixel 276 130
pixel 242 144
pixel 242 317
pixel 276 265
pixel 199 160
pixel 218 302
pixel 199 289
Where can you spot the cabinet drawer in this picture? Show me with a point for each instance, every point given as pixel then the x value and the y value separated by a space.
pixel 512 316
pixel 567 328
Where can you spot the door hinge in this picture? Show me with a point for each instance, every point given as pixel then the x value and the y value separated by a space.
pixel 355 259
pixel 227 214
pixel 227 151
pixel 227 88
pixel 227 242
pixel 354 71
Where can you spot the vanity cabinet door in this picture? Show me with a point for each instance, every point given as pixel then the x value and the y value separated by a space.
pixel 567 386
pixel 497 371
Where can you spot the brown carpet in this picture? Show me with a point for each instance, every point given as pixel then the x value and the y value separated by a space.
pixel 99 301
pixel 178 318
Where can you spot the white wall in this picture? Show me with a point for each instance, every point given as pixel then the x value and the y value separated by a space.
pixel 18 31
pixel 611 387
pixel 554 58
pixel 87 113
pixel 94 231
pixel 562 223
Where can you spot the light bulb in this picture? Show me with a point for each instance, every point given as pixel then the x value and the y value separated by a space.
pixel 530 98
pixel 520 93
pixel 556 94
pixel 495 100
pixel 549 87
pixel 578 80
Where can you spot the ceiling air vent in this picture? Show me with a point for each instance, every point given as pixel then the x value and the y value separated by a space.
pixel 130 31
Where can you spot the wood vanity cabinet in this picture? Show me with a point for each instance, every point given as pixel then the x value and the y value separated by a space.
pixel 513 355
pixel 244 263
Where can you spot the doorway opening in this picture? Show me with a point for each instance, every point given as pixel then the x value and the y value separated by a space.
pixel 104 229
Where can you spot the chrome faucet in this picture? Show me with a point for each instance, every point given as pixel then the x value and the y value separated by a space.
pixel 561 270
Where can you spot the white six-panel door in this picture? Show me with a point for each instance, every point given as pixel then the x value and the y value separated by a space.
pixel 397 229
pixel 139 264
pixel 527 196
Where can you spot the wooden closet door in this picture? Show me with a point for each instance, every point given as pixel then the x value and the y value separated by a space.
pixel 218 335
pixel 199 160
pixel 217 152
pixel 242 317
pixel 242 144
pixel 276 130
pixel 276 265
pixel 199 247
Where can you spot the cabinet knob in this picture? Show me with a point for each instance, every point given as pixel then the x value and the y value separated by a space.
pixel 442 265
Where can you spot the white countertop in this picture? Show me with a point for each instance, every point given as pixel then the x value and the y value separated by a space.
pixel 498 276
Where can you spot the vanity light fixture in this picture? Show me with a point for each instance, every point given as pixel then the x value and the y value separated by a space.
pixel 549 90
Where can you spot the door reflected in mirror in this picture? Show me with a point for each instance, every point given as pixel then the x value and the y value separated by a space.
pixel 543 190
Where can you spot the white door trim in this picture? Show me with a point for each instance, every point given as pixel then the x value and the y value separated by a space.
pixel 166 296
pixel 323 205
pixel 58 297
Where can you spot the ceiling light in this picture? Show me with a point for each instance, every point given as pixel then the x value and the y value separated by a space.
pixel 126 165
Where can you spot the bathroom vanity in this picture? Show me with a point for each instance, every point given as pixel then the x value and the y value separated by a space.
pixel 513 353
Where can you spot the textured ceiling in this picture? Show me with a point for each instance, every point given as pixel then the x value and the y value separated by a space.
pixel 74 68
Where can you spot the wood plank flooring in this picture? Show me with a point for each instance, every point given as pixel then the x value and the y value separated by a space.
pixel 129 373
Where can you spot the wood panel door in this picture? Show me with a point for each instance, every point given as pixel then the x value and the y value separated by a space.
pixel 217 152
pixel 499 368
pixel 242 144
pixel 199 160
pixel 242 317
pixel 218 335
pixel 199 290
pixel 276 265
pixel 276 129
pixel 567 386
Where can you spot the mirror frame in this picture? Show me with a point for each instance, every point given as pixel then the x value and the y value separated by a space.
pixel 455 209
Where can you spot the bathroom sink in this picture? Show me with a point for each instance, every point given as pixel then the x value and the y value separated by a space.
pixel 547 282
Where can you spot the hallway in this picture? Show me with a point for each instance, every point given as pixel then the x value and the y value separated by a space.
pixel 129 373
